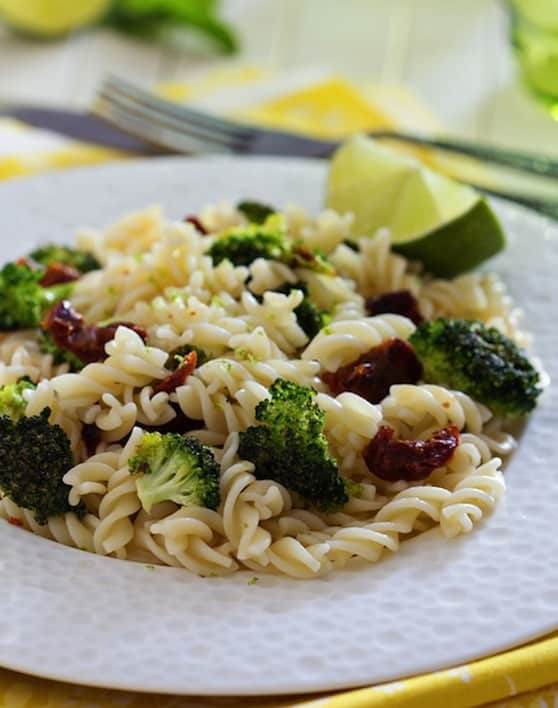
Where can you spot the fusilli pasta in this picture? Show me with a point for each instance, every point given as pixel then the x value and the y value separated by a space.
pixel 160 277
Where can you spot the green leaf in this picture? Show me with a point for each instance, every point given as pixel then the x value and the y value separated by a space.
pixel 155 19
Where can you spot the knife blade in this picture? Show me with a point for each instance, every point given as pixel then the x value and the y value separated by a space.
pixel 79 125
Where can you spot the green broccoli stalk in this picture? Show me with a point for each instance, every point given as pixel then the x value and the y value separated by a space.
pixel 82 261
pixel 175 468
pixel 255 212
pixel 310 319
pixel 23 301
pixel 12 402
pixel 242 245
pixel 289 446
pixel 35 456
pixel 480 361
pixel 59 355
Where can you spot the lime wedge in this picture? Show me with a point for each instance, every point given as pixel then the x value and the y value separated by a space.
pixel 49 18
pixel 445 225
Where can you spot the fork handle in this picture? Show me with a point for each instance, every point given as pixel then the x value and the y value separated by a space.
pixel 515 159
pixel 543 206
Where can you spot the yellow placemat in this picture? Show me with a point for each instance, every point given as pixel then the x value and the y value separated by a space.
pixel 325 106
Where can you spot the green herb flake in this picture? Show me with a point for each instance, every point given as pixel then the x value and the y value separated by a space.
pixel 245 355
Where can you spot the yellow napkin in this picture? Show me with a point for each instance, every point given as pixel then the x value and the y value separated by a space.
pixel 324 106
pixel 24 151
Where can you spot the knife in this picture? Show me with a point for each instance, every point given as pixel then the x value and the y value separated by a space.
pixel 79 125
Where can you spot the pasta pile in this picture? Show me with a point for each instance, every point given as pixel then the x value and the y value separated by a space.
pixel 157 275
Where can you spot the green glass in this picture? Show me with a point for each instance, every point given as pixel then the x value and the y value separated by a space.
pixel 535 38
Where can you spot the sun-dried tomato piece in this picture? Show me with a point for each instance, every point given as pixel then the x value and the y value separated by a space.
pixel 372 374
pixel 398 302
pixel 87 342
pixel 14 521
pixel 196 223
pixel 409 460
pixel 57 273
pixel 24 261
pixel 178 377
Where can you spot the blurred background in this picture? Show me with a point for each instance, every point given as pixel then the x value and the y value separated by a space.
pixel 318 65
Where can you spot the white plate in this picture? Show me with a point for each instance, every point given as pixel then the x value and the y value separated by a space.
pixel 71 615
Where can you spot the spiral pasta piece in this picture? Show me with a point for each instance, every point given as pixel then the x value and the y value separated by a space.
pixel 375 268
pixel 131 234
pixel 421 409
pixel 91 477
pixel 21 356
pixel 68 528
pixel 130 363
pixel 275 315
pixel 472 499
pixel 115 529
pixel 193 536
pixel 344 341
pixel 350 423
pixel 325 231
pixel 146 547
pixel 269 275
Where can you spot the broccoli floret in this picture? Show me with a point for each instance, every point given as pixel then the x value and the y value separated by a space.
pixel 255 212
pixel 480 361
pixel 352 488
pixel 175 468
pixel 12 402
pixel 289 446
pixel 59 355
pixel 309 317
pixel 83 261
pixel 22 300
pixel 241 245
pixel 177 356
pixel 35 456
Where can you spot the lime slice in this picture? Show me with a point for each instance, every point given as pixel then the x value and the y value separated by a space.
pixel 542 13
pixel 433 219
pixel 49 18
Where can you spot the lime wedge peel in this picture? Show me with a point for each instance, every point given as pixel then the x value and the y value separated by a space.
pixel 447 226
pixel 51 18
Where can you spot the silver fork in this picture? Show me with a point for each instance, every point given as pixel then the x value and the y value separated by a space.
pixel 181 129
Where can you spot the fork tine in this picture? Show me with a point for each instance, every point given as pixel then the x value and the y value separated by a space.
pixel 180 124
pixel 204 121
pixel 154 132
pixel 205 138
